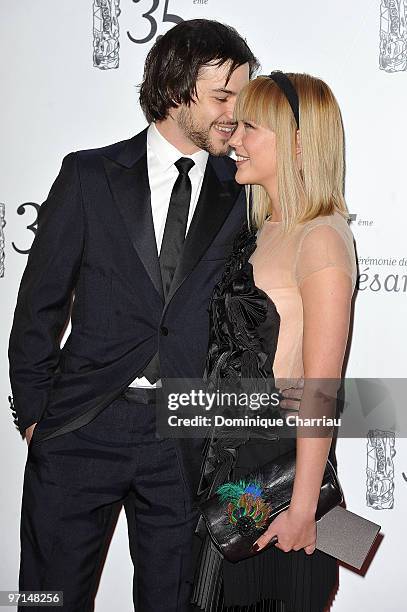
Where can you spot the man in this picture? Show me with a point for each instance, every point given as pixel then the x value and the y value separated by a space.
pixel 137 233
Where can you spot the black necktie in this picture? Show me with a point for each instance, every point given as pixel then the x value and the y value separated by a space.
pixel 173 240
pixel 176 223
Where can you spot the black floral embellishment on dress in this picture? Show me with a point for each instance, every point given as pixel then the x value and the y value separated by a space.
pixel 244 326
pixel 237 310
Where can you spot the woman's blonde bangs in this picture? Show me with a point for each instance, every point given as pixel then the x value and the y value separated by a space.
pixel 255 103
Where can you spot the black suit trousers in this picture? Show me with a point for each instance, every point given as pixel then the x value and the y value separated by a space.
pixel 74 485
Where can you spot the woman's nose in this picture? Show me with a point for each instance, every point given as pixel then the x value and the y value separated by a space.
pixel 236 139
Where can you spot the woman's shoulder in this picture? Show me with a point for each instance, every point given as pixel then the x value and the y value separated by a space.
pixel 326 226
pixel 336 220
pixel 325 241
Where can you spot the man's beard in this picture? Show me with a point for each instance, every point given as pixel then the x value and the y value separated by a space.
pixel 199 135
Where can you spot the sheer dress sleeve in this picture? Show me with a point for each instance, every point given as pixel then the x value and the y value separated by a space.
pixel 325 246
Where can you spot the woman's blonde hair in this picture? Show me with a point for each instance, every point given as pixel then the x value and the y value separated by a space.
pixel 316 188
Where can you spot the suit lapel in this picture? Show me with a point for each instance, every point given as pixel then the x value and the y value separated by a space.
pixel 126 169
pixel 131 191
pixel 215 202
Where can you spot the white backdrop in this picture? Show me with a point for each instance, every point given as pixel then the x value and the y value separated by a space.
pixel 54 100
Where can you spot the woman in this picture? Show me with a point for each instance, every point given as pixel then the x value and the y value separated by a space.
pixel 288 286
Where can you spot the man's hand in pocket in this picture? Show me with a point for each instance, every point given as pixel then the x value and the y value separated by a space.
pixel 29 432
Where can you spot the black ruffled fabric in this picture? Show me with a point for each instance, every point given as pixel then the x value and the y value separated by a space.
pixel 238 348
pixel 244 327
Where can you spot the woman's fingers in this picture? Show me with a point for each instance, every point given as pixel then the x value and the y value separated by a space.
pixel 309 549
pixel 273 541
pixel 265 540
pixel 291 396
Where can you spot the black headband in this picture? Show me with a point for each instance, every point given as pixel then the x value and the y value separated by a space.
pixel 289 91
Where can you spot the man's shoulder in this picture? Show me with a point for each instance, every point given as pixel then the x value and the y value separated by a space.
pixel 120 151
pixel 104 150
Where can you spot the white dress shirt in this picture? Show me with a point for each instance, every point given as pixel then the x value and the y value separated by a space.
pixel 162 174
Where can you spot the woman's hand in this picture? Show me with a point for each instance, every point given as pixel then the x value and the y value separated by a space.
pixel 294 530
pixel 291 396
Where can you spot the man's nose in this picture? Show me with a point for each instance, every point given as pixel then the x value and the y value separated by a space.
pixel 230 107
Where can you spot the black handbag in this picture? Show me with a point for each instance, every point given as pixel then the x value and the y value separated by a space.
pixel 240 511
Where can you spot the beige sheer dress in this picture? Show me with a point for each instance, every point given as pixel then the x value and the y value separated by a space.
pixel 275 581
pixel 281 263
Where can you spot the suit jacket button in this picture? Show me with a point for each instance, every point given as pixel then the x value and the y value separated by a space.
pixel 164 330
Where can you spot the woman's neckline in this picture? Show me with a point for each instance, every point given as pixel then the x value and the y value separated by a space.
pixel 269 220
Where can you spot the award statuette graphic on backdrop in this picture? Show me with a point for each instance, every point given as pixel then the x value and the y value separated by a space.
pixel 380 469
pixel 106 43
pixel 393 35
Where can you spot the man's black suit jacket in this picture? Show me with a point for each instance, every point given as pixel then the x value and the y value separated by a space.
pixel 95 246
